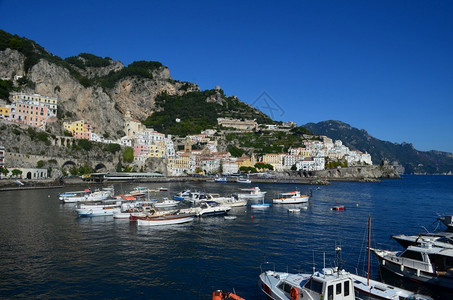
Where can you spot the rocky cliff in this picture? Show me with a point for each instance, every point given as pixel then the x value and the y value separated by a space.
pixel 97 90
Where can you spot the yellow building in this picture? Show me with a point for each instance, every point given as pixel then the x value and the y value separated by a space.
pixel 79 129
pixel 4 112
pixel 157 150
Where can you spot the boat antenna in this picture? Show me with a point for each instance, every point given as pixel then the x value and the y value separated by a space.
pixel 369 246
pixel 314 268
pixel 338 251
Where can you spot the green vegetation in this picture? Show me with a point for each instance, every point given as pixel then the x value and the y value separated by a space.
pixel 16 172
pixel 85 145
pixel 141 69
pixel 6 86
pixel 247 169
pixel 84 60
pixel 263 166
pixel 112 148
pixel 195 114
pixel 235 151
pixel 40 164
pixel 332 164
pixel 128 154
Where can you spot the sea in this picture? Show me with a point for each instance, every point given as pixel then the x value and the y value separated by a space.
pixel 47 252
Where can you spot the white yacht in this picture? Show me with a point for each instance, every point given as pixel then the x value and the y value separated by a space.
pixel 252 194
pixel 423 263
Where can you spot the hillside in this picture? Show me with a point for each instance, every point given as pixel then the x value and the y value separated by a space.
pixel 413 161
pixel 100 90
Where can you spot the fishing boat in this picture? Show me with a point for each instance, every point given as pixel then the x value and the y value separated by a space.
pixel 97 195
pixel 165 220
pixel 330 283
pixel 253 193
pixel 293 197
pixel 243 180
pixel 220 179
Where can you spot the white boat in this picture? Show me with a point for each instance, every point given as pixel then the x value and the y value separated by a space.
pixel 293 197
pixel 294 210
pixel 64 195
pixel 182 195
pixel 253 193
pixel 165 220
pixel 438 239
pixel 166 203
pixel 230 217
pixel 208 208
pixel 228 201
pixel 330 283
pixel 421 263
pixel 243 180
pixel 97 195
pixel 97 211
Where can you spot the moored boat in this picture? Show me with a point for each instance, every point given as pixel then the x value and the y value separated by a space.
pixel 243 180
pixel 166 203
pixel 165 220
pixel 220 179
pixel 293 197
pixel 422 263
pixel 228 201
pixel 253 193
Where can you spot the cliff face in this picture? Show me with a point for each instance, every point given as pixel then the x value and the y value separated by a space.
pixel 102 107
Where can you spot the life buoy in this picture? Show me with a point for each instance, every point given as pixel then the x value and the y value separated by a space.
pixel 294 294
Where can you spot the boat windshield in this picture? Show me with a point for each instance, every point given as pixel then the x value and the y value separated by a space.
pixel 314 285
pixel 412 255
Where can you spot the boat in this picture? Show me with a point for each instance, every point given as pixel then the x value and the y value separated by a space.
pixel 166 203
pixel 165 220
pixel 253 193
pixel 96 210
pixel 163 189
pixel 220 179
pixel 294 210
pixel 182 195
pixel 341 207
pixel 261 205
pixel 330 283
pixel 221 295
pixel 423 263
pixel 228 201
pixel 61 196
pixel 293 197
pixel 230 217
pixel 447 221
pixel 97 195
pixel 243 180
pixel 438 239
pixel 208 208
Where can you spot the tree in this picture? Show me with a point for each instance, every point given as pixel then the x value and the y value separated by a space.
pixel 294 167
pixel 128 155
pixel 40 164
pixel 198 170
pixel 85 144
pixel 16 172
pixel 119 165
pixel 4 171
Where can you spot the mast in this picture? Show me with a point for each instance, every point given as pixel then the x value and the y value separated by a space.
pixel 369 246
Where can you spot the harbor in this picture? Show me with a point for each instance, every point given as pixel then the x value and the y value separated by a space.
pixel 52 252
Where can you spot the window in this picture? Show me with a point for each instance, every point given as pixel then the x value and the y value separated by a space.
pixel 314 285
pixel 412 255
pixel 330 292
pixel 346 288
pixel 338 289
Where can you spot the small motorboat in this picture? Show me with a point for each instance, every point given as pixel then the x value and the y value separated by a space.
pixel 261 205
pixel 230 217
pixel 294 210
pixel 220 179
pixel 253 193
pixel 337 207
pixel 220 295
pixel 163 189
pixel 243 180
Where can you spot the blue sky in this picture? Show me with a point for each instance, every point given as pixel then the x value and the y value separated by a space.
pixel 383 66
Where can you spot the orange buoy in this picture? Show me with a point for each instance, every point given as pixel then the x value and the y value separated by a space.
pixel 294 294
pixel 251 218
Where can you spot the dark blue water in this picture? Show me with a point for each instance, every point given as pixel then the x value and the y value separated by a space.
pixel 47 252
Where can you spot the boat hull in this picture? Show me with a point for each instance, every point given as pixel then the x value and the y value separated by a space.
pixel 165 220
pixel 295 200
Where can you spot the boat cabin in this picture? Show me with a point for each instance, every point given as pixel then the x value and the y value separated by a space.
pixel 330 284
pixel 427 258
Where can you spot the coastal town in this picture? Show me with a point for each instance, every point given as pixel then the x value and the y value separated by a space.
pixel 38 111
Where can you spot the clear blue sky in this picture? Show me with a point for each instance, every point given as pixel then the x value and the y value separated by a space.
pixel 383 66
